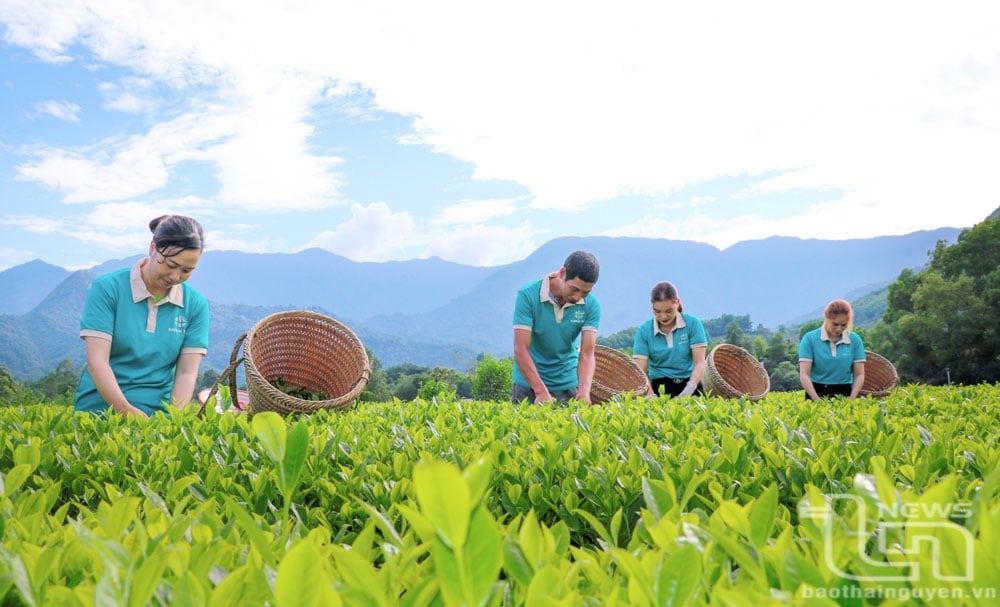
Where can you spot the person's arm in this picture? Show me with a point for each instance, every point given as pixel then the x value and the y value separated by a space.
pixel 522 340
pixel 859 378
pixel 185 378
pixel 700 364
pixel 586 365
pixel 99 367
pixel 805 369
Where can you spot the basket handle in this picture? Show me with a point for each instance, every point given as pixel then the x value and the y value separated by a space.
pixel 230 372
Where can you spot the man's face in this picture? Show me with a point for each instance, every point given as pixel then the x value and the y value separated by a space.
pixel 573 290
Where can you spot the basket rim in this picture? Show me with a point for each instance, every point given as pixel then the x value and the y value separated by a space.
pixel 616 356
pixel 730 391
pixel 890 385
pixel 278 400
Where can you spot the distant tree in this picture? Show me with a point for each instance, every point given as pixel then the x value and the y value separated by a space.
pixel 899 300
pixel 397 373
pixel 622 340
pixel 377 390
pixel 58 386
pixel 493 379
pixel 941 321
pixel 460 382
pixel 785 377
pixel 718 327
pixel 736 336
pixel 809 326
pixel 407 387
pixel 433 388
pixel 206 379
pixel 13 393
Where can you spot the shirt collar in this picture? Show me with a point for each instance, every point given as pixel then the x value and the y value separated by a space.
pixel 139 291
pixel 544 294
pixel 678 324
pixel 845 337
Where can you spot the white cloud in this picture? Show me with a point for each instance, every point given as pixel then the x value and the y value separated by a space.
pixel 482 245
pixel 899 110
pixel 132 170
pixel 130 95
pixel 63 110
pixel 373 233
pixel 475 211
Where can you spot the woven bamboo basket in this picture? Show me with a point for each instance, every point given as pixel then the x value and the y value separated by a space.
pixel 305 349
pixel 880 376
pixel 733 373
pixel 615 373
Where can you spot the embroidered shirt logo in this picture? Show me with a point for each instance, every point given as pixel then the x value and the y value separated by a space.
pixel 180 324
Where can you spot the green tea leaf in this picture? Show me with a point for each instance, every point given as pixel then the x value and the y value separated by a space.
pixel 290 466
pixel 483 555
pixel 444 499
pixel 677 580
pixel 762 516
pixel 660 496
pixel 270 429
pixel 300 577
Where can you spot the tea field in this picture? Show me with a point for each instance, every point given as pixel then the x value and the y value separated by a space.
pixel 706 501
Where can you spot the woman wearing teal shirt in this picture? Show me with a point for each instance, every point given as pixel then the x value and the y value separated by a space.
pixel 145 331
pixel 832 357
pixel 670 347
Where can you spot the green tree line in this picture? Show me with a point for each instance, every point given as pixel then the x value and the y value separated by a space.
pixel 937 325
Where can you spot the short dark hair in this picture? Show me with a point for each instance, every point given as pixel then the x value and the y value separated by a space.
pixel 582 265
pixel 664 291
pixel 175 233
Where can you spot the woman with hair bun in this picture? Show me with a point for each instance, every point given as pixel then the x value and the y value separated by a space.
pixel 831 356
pixel 670 347
pixel 146 331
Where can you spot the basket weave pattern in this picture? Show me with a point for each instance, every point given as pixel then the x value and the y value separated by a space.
pixel 615 373
pixel 880 375
pixel 308 350
pixel 733 372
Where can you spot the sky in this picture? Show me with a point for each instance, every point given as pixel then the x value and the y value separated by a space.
pixel 477 131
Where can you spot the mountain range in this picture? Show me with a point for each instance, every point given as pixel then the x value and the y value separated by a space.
pixel 432 312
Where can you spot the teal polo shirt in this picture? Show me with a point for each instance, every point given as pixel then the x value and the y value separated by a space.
pixel 832 362
pixel 554 332
pixel 147 337
pixel 669 354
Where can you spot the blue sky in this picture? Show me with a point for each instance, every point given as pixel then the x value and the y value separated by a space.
pixel 476 132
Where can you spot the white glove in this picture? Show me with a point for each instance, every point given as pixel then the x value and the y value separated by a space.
pixel 688 389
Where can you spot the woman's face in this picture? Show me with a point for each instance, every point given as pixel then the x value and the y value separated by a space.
pixel 836 325
pixel 665 311
pixel 165 272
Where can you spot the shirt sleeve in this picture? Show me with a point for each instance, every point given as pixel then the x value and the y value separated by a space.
pixel 696 332
pixel 859 347
pixel 523 310
pixel 805 348
pixel 99 309
pixel 640 343
pixel 196 335
pixel 593 313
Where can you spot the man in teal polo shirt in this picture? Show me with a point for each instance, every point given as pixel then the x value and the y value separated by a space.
pixel 549 315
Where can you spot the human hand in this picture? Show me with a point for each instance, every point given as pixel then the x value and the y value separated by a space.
pixel 688 390
pixel 543 397
pixel 132 411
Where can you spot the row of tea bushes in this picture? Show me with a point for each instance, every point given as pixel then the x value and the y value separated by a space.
pixel 705 501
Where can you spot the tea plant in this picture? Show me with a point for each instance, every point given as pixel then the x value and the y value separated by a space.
pixel 660 502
